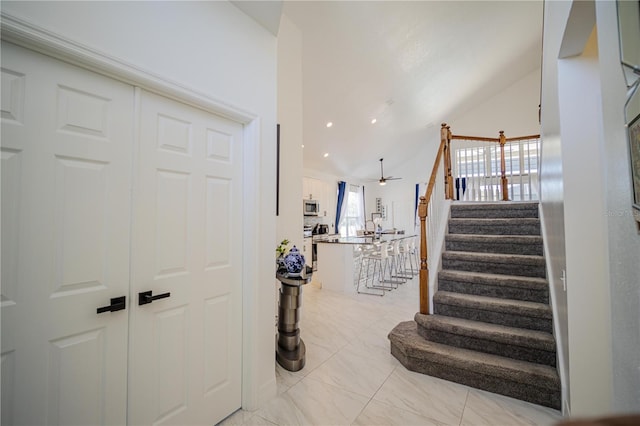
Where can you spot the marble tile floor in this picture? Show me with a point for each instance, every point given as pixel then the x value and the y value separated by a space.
pixel 350 377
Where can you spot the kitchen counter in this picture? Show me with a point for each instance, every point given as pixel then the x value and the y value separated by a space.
pixel 337 239
pixel 335 266
pixel 366 239
pixel 324 237
pixel 336 259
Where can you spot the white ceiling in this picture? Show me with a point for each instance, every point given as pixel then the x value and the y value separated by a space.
pixel 410 65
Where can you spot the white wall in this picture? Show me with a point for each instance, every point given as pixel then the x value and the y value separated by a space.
pixel 514 110
pixel 551 183
pixel 588 308
pixel 289 221
pixel 398 193
pixel 586 197
pixel 622 231
pixel 398 197
pixel 214 49
pixel 209 46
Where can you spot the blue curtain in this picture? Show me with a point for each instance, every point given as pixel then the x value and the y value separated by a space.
pixel 342 187
pixel 415 211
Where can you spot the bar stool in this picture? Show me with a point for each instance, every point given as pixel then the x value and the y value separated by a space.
pixel 408 256
pixel 377 262
pixel 415 254
pixel 396 270
pixel 388 259
pixel 359 253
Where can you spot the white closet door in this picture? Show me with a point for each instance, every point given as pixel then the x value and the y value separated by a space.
pixel 66 170
pixel 185 351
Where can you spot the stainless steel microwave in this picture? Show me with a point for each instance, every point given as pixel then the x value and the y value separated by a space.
pixel 310 207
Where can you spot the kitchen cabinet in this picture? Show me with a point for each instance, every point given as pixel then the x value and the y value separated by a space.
pixel 329 207
pixel 306 190
pixel 312 189
pixel 325 193
pixel 306 250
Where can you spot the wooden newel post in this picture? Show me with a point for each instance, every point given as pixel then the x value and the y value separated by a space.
pixel 503 167
pixel 443 135
pixel 445 139
pixel 449 176
pixel 424 269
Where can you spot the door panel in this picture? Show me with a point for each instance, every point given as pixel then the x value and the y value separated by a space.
pixel 185 349
pixel 67 137
pixel 66 158
pixel 172 200
pixel 76 365
pixel 80 204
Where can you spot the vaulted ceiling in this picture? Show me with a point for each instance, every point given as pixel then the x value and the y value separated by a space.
pixel 409 65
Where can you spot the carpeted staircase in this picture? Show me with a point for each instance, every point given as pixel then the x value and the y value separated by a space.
pixel 492 323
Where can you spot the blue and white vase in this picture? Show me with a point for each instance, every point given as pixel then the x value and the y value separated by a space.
pixel 294 261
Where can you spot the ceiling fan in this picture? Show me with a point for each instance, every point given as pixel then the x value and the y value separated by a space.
pixel 383 180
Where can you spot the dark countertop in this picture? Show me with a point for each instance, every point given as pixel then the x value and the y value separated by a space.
pixel 324 237
pixel 336 239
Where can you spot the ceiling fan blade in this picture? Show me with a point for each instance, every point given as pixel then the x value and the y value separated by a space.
pixel 384 179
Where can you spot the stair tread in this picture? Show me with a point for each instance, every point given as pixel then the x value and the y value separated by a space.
pixel 405 336
pixel 465 223
pixel 492 220
pixel 487 303
pixel 516 243
pixel 483 205
pixel 496 332
pixel 487 278
pixel 529 239
pixel 495 210
pixel 494 257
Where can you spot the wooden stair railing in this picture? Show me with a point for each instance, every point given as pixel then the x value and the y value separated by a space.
pixel 445 151
pixel 445 139
pixel 503 173
pixel 502 140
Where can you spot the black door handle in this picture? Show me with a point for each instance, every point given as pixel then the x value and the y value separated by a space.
pixel 146 297
pixel 117 304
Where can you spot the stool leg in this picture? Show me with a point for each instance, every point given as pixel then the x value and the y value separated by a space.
pixel 366 279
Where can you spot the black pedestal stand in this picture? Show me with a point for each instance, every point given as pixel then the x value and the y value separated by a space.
pixel 290 352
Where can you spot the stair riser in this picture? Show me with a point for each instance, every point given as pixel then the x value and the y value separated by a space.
pixel 537 356
pixel 493 213
pixel 535 249
pixel 510 320
pixel 494 229
pixel 536 271
pixel 502 292
pixel 522 391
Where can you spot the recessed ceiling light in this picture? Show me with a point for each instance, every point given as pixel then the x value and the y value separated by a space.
pixel 329 124
pixel 326 154
pixel 303 145
pixel 374 121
